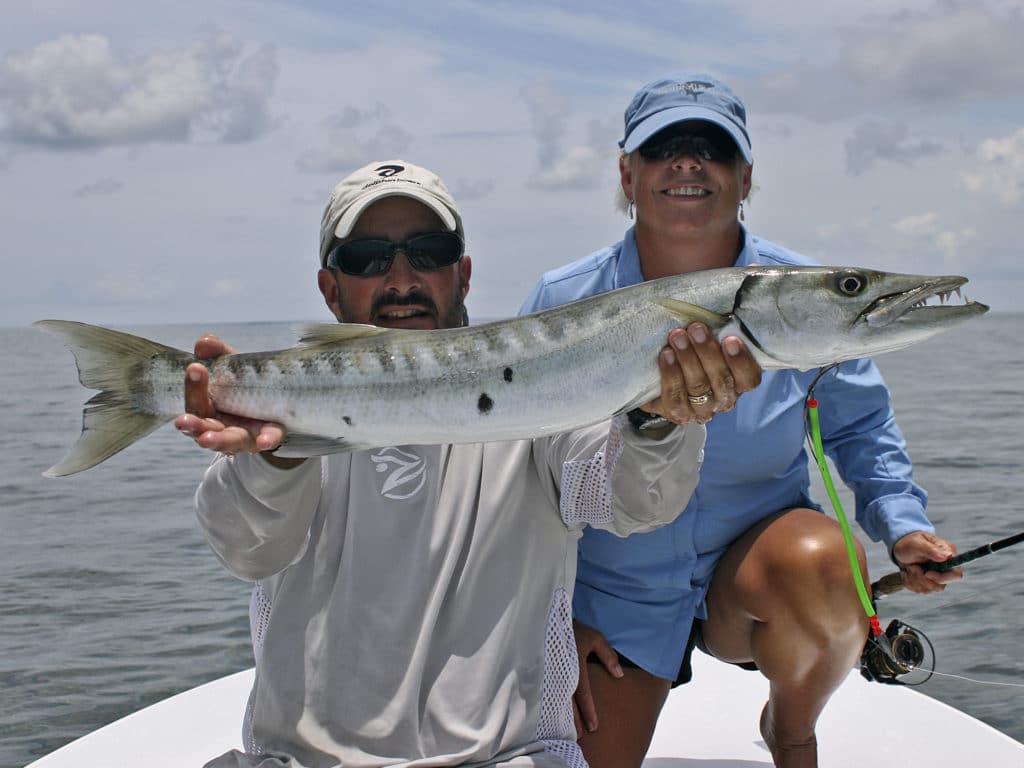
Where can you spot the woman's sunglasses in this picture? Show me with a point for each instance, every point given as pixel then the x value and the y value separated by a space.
pixel 370 258
pixel 705 143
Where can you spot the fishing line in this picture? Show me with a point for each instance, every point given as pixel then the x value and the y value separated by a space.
pixel 974 680
pixel 899 650
pixel 826 476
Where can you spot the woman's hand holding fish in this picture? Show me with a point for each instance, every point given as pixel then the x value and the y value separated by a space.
pixel 700 377
pixel 219 431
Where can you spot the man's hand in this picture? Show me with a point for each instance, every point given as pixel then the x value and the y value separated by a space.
pixel 921 547
pixel 218 431
pixel 590 641
pixel 700 377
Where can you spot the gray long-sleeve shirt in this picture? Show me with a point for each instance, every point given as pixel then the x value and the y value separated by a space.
pixel 412 604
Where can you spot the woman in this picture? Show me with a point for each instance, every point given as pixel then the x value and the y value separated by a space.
pixel 752 571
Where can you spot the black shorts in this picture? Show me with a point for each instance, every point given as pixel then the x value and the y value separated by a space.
pixel 685 674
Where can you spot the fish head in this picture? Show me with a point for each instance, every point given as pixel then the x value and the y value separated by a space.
pixel 808 317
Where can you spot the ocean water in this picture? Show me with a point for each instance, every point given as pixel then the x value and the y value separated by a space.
pixel 110 599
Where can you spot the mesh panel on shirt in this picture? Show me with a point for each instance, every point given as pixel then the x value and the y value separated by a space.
pixel 580 479
pixel 555 727
pixel 259 618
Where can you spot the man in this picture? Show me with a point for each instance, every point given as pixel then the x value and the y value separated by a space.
pixel 751 571
pixel 412 604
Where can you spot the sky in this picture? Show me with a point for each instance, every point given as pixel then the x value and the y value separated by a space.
pixel 168 162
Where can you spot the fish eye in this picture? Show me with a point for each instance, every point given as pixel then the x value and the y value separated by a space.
pixel 851 283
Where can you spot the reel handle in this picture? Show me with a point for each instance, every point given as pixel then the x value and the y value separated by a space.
pixel 892 582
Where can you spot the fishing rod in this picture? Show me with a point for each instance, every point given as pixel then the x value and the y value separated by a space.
pixel 904 649
pixel 899 650
pixel 893 582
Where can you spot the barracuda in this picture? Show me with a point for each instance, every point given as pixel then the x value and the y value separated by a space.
pixel 350 387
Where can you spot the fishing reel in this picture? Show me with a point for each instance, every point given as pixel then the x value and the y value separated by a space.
pixel 901 651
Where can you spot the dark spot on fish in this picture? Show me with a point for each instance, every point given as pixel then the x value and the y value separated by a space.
pixel 347 420
pixel 508 374
pixel 484 404
pixel 259 365
pixel 310 365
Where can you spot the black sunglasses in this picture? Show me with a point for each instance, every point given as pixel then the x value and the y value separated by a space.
pixel 369 258
pixel 707 144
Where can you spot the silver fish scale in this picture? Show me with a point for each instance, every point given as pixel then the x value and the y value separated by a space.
pixel 516 378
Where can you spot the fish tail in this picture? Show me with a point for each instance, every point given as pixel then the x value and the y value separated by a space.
pixel 121 412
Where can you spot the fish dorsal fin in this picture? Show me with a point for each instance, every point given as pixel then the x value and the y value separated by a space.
pixel 327 333
pixel 687 313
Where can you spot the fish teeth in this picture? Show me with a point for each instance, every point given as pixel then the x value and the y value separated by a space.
pixel 953 295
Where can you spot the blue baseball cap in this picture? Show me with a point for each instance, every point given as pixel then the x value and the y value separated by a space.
pixel 671 100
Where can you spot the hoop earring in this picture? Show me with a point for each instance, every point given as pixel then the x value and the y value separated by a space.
pixel 629 210
pixel 742 217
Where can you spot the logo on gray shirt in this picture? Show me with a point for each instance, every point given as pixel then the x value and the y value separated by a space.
pixel 405 472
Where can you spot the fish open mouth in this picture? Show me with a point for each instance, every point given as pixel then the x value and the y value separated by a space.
pixel 937 299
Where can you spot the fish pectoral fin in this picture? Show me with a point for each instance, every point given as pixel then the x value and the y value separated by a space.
pixel 326 333
pixel 301 446
pixel 687 313
pixel 642 399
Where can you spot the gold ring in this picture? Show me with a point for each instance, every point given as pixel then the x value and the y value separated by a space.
pixel 698 399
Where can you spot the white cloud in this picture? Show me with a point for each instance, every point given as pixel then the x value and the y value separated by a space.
pixel 921 224
pixel 904 62
pixel 925 228
pixel 77 92
pixel 951 241
pixel 356 137
pixel 99 188
pixel 562 164
pixel 875 140
pixel 464 190
pixel 1001 168
pixel 955 52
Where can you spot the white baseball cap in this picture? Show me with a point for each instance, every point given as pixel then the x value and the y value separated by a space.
pixel 374 181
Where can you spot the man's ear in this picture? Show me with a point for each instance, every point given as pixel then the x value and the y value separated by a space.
pixel 327 281
pixel 465 271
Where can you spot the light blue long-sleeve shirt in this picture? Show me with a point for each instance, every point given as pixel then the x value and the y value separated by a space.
pixel 644 591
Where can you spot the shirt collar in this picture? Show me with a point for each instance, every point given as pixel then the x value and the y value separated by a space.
pixel 627 270
pixel 748 254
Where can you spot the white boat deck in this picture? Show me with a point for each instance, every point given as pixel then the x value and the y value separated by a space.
pixel 710 723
